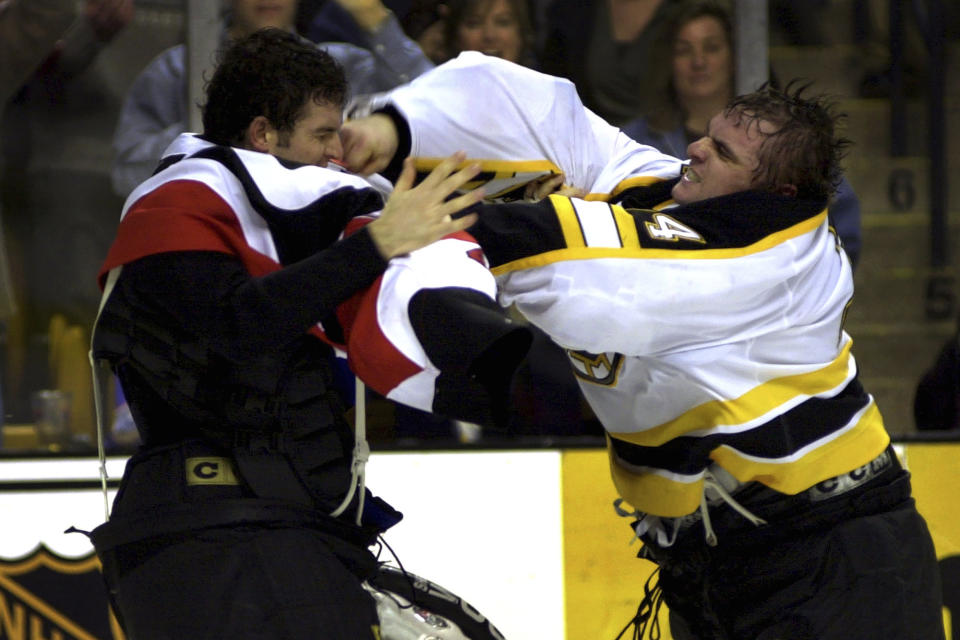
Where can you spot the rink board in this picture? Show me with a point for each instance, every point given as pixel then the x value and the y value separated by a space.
pixel 529 538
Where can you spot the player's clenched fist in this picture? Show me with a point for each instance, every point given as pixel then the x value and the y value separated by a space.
pixel 368 143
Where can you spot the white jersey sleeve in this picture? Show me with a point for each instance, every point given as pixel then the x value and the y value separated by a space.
pixel 519 124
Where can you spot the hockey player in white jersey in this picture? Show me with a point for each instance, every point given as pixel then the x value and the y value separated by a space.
pixel 702 308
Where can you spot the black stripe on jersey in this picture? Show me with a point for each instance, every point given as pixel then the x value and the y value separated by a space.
pixel 645 197
pixel 784 435
pixel 732 221
pixel 168 161
pixel 510 231
pixel 299 233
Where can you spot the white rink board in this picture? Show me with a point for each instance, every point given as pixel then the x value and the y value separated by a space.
pixel 30 518
pixel 486 526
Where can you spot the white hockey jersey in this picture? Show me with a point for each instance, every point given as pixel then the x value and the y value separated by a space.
pixel 708 333
pixel 704 334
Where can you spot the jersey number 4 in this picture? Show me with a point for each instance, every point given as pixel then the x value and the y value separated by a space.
pixel 666 228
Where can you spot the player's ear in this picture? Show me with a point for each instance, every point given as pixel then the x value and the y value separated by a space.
pixel 789 190
pixel 260 135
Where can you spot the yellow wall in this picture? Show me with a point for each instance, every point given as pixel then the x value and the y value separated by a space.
pixel 604 579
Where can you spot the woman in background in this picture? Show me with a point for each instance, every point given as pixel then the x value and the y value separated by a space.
pixel 500 28
pixel 691 77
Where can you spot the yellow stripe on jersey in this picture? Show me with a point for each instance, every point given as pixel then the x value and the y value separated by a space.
pixel 499 177
pixel 629 183
pixel 838 454
pixel 661 493
pixel 501 168
pixel 751 406
pixel 569 223
pixel 580 252
pixel 652 493
pixel 627 227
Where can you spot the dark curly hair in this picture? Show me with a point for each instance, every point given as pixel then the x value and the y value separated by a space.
pixel 804 149
pixel 270 73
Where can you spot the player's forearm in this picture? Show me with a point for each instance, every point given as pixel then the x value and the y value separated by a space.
pixel 240 316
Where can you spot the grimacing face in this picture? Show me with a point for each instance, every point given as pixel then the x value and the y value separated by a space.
pixel 315 138
pixel 724 161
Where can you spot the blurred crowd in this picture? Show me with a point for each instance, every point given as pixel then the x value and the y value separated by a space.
pixel 81 129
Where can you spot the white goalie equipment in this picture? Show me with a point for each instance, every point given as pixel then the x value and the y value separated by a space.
pixel 413 608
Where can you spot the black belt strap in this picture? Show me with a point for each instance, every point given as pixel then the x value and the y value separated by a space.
pixel 182 518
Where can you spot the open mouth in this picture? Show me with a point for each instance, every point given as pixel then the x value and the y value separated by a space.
pixel 689 175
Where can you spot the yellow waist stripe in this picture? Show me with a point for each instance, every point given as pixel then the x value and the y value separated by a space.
pixel 755 403
pixel 663 496
pixel 846 451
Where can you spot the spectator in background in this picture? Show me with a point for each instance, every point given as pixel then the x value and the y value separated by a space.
pixel 691 78
pixel 442 28
pixel 55 194
pixel 424 22
pixel 29 31
pixel 343 20
pixel 498 28
pixel 604 48
pixel 156 108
